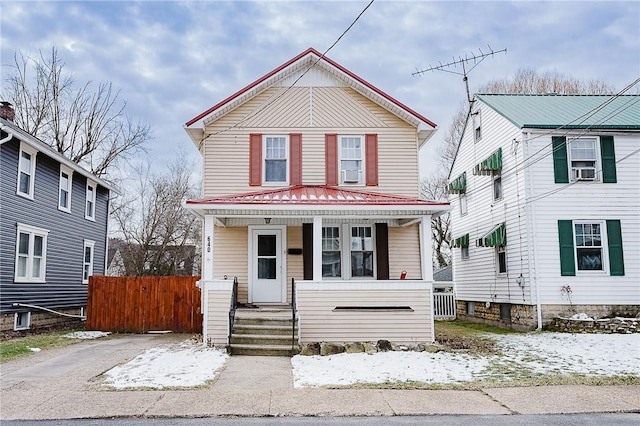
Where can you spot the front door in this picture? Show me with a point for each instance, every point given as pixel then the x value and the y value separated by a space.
pixel 267 281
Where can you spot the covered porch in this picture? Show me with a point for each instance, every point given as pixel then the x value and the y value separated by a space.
pixel 354 265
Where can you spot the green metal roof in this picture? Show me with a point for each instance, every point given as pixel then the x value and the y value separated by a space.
pixel 567 111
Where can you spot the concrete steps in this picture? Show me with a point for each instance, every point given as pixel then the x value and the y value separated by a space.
pixel 262 332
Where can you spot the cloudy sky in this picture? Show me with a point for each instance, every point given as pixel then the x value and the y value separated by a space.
pixel 173 60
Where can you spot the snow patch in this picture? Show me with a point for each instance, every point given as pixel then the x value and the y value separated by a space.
pixel 86 334
pixel 581 316
pixel 34 349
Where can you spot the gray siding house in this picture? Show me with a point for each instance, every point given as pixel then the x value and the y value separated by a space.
pixel 53 230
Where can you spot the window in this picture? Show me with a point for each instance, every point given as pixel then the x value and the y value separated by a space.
pixel 589 248
pixel 464 252
pixel 593 246
pixel 583 158
pixel 501 257
pixel 26 171
pixel 351 159
pixel 64 193
pixel 477 126
pixel 463 204
pixel 90 206
pixel 275 159
pixel 31 254
pixel 331 260
pixel 87 260
pixel 497 185
pixel 361 251
pixel 22 321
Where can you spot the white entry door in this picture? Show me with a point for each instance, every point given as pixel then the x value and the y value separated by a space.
pixel 267 280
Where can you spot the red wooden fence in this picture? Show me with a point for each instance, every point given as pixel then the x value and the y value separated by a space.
pixel 142 304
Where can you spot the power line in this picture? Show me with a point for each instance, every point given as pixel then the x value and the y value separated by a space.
pixel 282 93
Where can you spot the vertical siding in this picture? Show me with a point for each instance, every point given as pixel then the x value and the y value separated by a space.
pixel 476 278
pixel 226 153
pixel 404 252
pixel 230 257
pixel 320 322
pixel 585 201
pixel 65 241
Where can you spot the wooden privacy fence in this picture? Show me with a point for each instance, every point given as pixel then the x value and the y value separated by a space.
pixel 143 304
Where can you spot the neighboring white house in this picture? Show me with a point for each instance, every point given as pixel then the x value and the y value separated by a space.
pixel 545 194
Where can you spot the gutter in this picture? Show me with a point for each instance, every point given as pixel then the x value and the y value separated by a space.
pixel 9 134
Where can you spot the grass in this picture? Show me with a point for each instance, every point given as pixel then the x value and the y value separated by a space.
pixel 20 346
pixel 468 337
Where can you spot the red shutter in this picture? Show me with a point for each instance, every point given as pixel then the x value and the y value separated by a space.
pixel 295 155
pixel 255 159
pixel 371 154
pixel 331 159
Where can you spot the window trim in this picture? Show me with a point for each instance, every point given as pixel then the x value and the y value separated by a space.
pixel 32 170
pixel 90 184
pixel 496 176
pixel 363 161
pixel 69 172
pixel 287 159
pixel 347 253
pixel 597 162
pixel 340 251
pixel 91 244
pixel 499 251
pixel 32 231
pixel 604 247
pixel 464 202
pixel 464 253
pixel 17 327
pixel 477 125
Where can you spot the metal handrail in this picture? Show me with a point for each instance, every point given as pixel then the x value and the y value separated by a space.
pixel 293 314
pixel 232 308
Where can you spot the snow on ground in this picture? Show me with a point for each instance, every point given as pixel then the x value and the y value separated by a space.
pixel 180 365
pixel 86 334
pixel 522 355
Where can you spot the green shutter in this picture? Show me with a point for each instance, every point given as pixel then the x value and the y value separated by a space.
pixel 608 153
pixel 567 254
pixel 560 166
pixel 614 237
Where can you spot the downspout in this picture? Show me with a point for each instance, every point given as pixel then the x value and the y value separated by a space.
pixel 9 134
pixel 531 234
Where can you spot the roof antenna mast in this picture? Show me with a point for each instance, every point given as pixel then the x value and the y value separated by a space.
pixel 472 60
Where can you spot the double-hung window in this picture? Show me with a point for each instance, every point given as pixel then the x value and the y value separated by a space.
pixel 583 158
pixel 501 259
pixel 361 251
pixel 497 184
pixel 64 189
pixel 477 126
pixel 331 254
pixel 26 171
pixel 351 160
pixel 90 201
pixel 589 247
pixel 31 254
pixel 275 159
pixel 463 204
pixel 87 260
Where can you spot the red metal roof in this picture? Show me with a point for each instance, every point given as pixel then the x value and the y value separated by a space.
pixel 295 59
pixel 315 195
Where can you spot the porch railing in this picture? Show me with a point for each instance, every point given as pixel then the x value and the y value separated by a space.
pixel 232 307
pixel 293 314
pixel 444 302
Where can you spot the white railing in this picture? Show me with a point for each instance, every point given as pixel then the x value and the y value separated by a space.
pixel 444 301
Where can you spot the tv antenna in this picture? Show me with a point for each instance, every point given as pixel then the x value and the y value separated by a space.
pixel 473 60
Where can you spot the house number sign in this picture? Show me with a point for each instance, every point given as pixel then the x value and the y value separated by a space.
pixel 209 244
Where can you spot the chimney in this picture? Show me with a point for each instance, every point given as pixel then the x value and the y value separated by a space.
pixel 6 111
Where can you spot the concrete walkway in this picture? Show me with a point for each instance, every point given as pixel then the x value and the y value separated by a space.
pixel 59 384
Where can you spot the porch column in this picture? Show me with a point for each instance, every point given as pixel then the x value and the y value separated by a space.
pixel 426 249
pixel 207 248
pixel 317 248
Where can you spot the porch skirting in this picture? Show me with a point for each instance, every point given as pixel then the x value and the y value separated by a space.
pixel 216 304
pixel 365 311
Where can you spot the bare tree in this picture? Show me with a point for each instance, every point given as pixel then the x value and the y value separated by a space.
pixel 525 81
pixel 157 232
pixel 87 124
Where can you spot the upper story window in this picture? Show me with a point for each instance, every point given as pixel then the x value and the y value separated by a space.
pixel 463 204
pixel 87 261
pixel 64 189
pixel 477 125
pixel 90 203
pixel 351 159
pixel 501 259
pixel 275 159
pixel 497 184
pixel 31 254
pixel 26 171
pixel 583 158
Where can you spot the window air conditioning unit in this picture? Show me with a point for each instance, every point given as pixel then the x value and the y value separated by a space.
pixel 351 176
pixel 584 173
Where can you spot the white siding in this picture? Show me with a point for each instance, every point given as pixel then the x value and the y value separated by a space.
pixel 476 278
pixel 230 257
pixel 404 252
pixel 217 301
